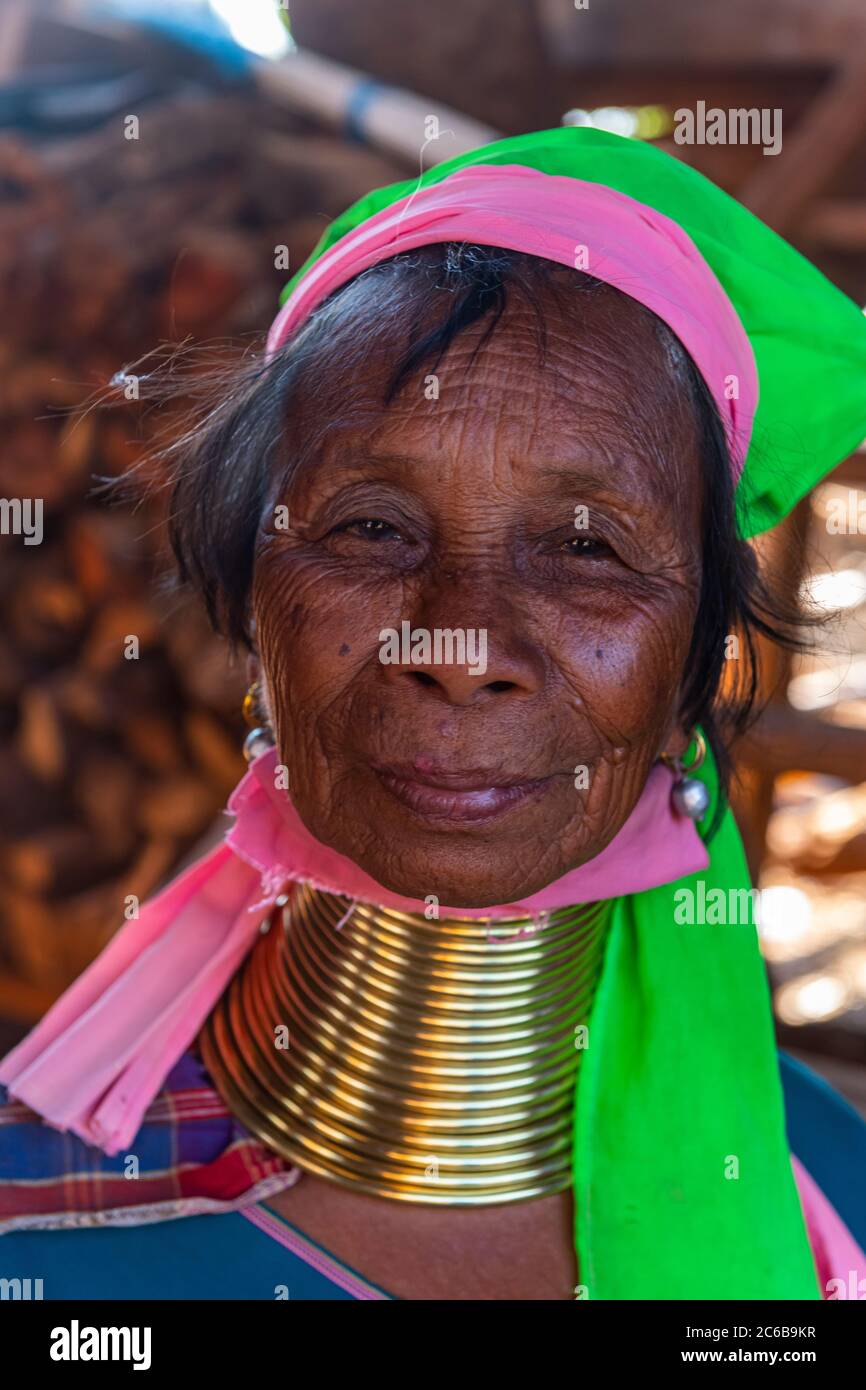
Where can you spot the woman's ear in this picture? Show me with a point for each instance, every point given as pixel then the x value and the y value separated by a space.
pixel 676 744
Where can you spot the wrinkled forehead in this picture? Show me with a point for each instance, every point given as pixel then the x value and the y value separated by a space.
pixel 563 370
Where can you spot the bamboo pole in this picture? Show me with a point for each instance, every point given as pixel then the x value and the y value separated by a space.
pixel 418 131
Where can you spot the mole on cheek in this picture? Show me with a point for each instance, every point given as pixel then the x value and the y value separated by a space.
pixel 344 650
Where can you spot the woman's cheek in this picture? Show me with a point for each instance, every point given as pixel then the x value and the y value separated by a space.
pixel 316 631
pixel 625 665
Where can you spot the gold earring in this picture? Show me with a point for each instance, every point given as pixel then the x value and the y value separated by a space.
pixel 260 737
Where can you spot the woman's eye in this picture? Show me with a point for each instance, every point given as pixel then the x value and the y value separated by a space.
pixel 371 528
pixel 588 546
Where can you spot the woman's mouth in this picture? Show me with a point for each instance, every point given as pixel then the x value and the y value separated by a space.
pixel 456 796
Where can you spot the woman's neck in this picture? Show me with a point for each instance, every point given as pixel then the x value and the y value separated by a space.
pixel 431 1061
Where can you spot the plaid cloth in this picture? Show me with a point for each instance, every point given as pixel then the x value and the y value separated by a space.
pixel 190 1156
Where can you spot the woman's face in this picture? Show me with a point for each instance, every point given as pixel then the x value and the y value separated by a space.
pixel 551 510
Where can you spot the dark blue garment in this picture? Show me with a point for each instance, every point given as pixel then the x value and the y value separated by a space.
pixel 210 1257
pixel 228 1257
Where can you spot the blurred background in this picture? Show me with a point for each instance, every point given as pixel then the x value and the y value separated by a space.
pixel 165 165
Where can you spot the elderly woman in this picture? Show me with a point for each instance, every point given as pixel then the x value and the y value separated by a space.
pixel 469 1004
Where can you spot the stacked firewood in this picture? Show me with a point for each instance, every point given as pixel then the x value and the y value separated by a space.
pixel 120 729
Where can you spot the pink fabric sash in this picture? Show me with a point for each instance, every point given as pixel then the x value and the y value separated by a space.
pixel 839 1261
pixel 612 236
pixel 101 1053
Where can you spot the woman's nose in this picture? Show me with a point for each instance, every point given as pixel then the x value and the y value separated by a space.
pixel 465 667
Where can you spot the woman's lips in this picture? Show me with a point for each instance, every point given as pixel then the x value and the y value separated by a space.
pixel 456 796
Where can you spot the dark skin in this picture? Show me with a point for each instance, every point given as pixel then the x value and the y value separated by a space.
pixel 459 512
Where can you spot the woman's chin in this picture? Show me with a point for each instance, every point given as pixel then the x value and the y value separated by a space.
pixel 455 852
pixel 483 876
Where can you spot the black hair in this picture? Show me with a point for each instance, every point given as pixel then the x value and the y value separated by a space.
pixel 221 469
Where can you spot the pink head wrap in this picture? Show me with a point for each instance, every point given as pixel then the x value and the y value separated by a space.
pixel 102 1051
pixel 582 225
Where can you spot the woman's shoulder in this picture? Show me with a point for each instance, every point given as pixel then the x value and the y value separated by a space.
pixel 75 1223
pixel 189 1157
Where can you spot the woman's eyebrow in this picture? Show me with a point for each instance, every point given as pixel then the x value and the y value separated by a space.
pixel 364 458
pixel 329 468
pixel 569 479
pixel 565 477
pixel 356 462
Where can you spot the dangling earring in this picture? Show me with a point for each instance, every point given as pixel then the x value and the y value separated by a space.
pixel 689 796
pixel 260 736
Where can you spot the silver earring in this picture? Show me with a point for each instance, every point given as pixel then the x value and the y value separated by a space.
pixel 689 797
pixel 260 736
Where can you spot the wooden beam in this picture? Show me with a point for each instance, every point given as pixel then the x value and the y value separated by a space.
pixel 791 33
pixel 813 153
pixel 786 739
pixel 838 224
